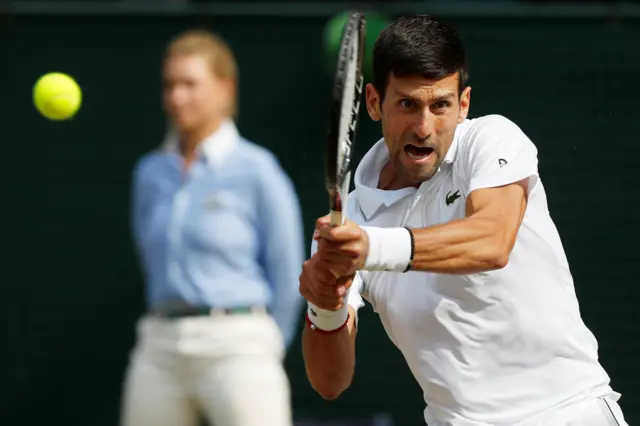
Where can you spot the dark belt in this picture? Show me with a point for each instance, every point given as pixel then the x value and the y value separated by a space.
pixel 192 311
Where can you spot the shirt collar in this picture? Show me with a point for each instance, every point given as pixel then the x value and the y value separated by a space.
pixel 367 176
pixel 215 148
pixel 453 149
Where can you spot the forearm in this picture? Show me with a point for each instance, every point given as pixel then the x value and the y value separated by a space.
pixel 464 246
pixel 330 359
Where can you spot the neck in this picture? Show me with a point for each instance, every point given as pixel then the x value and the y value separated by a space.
pixel 391 180
pixel 189 140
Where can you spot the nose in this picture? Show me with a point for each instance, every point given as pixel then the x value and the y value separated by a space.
pixel 176 96
pixel 424 125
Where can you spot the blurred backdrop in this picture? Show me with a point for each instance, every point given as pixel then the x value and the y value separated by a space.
pixel 565 72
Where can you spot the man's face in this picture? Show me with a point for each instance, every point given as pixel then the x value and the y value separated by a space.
pixel 192 94
pixel 419 119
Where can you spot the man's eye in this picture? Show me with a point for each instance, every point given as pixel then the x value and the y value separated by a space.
pixel 441 105
pixel 407 104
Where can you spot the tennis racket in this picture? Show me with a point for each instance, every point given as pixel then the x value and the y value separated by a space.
pixel 343 118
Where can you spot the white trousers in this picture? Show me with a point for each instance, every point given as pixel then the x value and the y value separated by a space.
pixel 227 369
pixel 593 412
pixel 603 411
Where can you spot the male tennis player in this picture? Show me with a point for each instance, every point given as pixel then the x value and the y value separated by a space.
pixel 452 244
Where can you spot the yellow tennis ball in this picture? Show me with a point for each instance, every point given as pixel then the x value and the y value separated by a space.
pixel 57 96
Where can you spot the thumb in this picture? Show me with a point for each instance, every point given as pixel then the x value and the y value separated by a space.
pixel 323 222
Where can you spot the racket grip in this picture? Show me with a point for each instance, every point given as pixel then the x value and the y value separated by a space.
pixel 335 218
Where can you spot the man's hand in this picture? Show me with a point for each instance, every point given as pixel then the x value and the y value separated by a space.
pixel 341 249
pixel 319 285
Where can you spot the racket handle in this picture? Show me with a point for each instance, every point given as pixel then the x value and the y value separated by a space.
pixel 335 218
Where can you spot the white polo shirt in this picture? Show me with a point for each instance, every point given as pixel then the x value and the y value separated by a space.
pixel 496 348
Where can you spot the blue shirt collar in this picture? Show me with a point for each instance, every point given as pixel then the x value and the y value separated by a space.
pixel 215 148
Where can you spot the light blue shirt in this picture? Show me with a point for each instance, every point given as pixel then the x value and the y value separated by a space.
pixel 225 233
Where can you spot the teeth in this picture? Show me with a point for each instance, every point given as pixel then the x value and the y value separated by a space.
pixel 416 157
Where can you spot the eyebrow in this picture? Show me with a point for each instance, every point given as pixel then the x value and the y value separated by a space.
pixel 438 98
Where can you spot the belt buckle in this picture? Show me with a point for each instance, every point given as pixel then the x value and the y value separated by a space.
pixel 221 312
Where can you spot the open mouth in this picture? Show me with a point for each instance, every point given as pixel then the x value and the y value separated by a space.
pixel 417 152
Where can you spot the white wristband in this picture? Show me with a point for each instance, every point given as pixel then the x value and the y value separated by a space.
pixel 328 320
pixel 390 249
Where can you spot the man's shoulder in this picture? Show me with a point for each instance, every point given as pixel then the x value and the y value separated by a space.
pixel 487 126
pixel 491 131
pixel 491 120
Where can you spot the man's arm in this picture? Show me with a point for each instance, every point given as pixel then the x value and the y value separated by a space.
pixel 329 355
pixel 330 359
pixel 480 242
pixel 282 247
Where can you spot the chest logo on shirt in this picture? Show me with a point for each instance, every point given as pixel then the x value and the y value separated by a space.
pixel 502 162
pixel 452 197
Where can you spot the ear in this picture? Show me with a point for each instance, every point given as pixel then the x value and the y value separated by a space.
pixel 373 102
pixel 465 103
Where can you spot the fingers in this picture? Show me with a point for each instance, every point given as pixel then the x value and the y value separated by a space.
pixel 334 290
pixel 339 265
pixel 323 222
pixel 342 258
pixel 322 302
pixel 322 274
pixel 354 248
pixel 320 287
pixel 340 233
pixel 344 284
pixel 348 232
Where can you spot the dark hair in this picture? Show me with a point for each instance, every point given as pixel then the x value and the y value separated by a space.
pixel 418 45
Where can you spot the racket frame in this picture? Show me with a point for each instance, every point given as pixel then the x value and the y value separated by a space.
pixel 337 158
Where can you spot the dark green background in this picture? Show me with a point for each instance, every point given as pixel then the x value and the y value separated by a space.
pixel 72 291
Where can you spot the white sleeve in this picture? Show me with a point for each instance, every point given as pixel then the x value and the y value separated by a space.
pixel 354 299
pixel 497 153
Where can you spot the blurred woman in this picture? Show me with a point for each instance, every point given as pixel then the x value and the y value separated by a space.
pixel 218 228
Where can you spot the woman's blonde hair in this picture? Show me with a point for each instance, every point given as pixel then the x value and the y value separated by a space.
pixel 217 53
